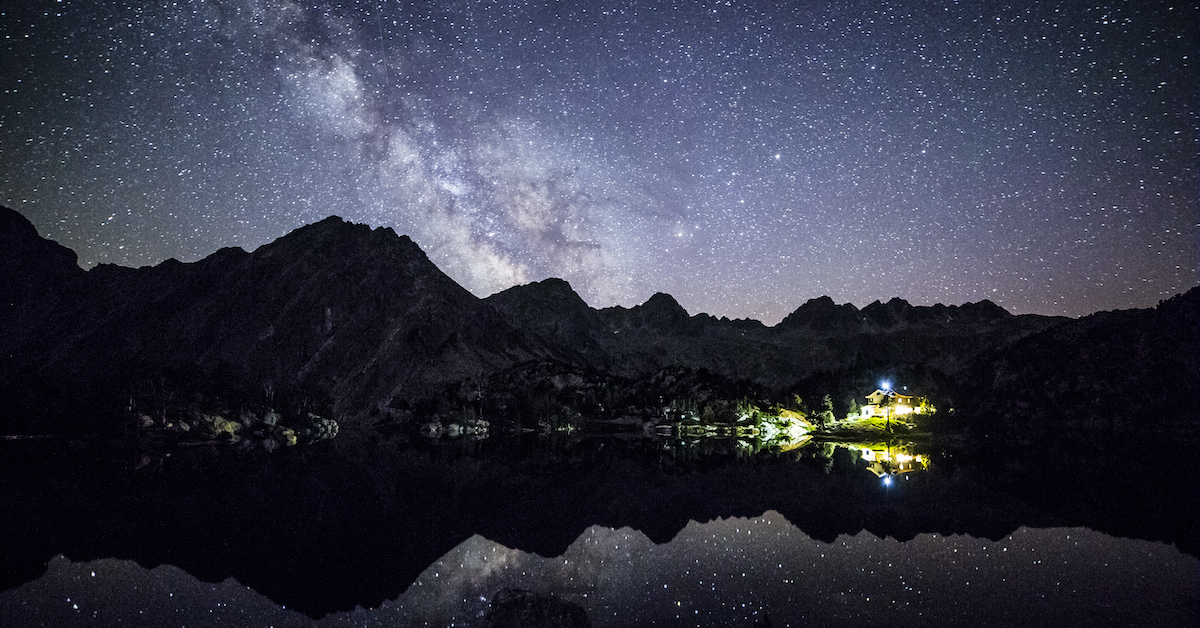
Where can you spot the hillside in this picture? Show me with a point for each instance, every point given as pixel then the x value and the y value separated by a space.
pixel 345 315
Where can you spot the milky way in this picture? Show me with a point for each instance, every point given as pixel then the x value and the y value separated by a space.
pixel 743 157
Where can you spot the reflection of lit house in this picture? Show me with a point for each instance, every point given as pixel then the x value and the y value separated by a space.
pixel 891 460
pixel 889 403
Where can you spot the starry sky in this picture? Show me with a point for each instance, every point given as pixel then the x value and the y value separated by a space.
pixel 742 156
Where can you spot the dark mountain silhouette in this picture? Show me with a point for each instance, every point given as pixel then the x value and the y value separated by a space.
pixel 554 311
pixel 1129 373
pixel 361 320
pixel 660 312
pixel 821 314
pixel 818 340
pixel 336 310
pixel 29 263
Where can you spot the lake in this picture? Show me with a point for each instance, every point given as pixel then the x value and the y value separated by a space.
pixel 634 528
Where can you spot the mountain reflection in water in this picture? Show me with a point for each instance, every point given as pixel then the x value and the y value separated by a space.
pixel 416 532
pixel 728 572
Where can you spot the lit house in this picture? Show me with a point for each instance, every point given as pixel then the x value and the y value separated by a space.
pixel 886 402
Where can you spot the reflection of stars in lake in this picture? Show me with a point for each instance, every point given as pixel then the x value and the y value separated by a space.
pixel 1041 156
pixel 737 571
pixel 728 572
pixel 110 592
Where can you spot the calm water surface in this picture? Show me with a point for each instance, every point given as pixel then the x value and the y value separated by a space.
pixel 636 529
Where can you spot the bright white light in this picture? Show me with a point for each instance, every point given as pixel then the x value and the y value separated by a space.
pixel 887 385
pixel 887 480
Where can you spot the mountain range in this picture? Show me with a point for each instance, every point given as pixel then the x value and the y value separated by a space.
pixel 361 321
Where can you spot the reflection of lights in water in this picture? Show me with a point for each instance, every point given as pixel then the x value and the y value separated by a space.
pixel 888 461
pixel 887 480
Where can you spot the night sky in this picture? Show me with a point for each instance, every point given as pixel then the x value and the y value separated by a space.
pixel 742 156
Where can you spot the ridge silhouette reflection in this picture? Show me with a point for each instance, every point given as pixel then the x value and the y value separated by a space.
pixel 360 521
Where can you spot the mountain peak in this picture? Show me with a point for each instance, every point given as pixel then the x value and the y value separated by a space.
pixel 887 314
pixel 662 302
pixel 28 262
pixel 660 311
pixel 822 314
pixel 984 310
pixel 557 287
pixel 340 241
pixel 554 310
pixel 548 294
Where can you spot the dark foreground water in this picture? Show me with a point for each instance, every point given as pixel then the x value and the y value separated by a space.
pixel 369 530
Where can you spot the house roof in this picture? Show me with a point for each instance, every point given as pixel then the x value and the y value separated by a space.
pixel 889 393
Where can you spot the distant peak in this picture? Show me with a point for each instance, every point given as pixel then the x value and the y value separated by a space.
pixel 337 227
pixel 30 265
pixel 823 314
pixel 551 294
pixel 824 303
pixel 984 310
pixel 337 224
pixel 555 284
pixel 894 305
pixel 552 286
pixel 13 224
pixel 662 301
pixel 661 311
